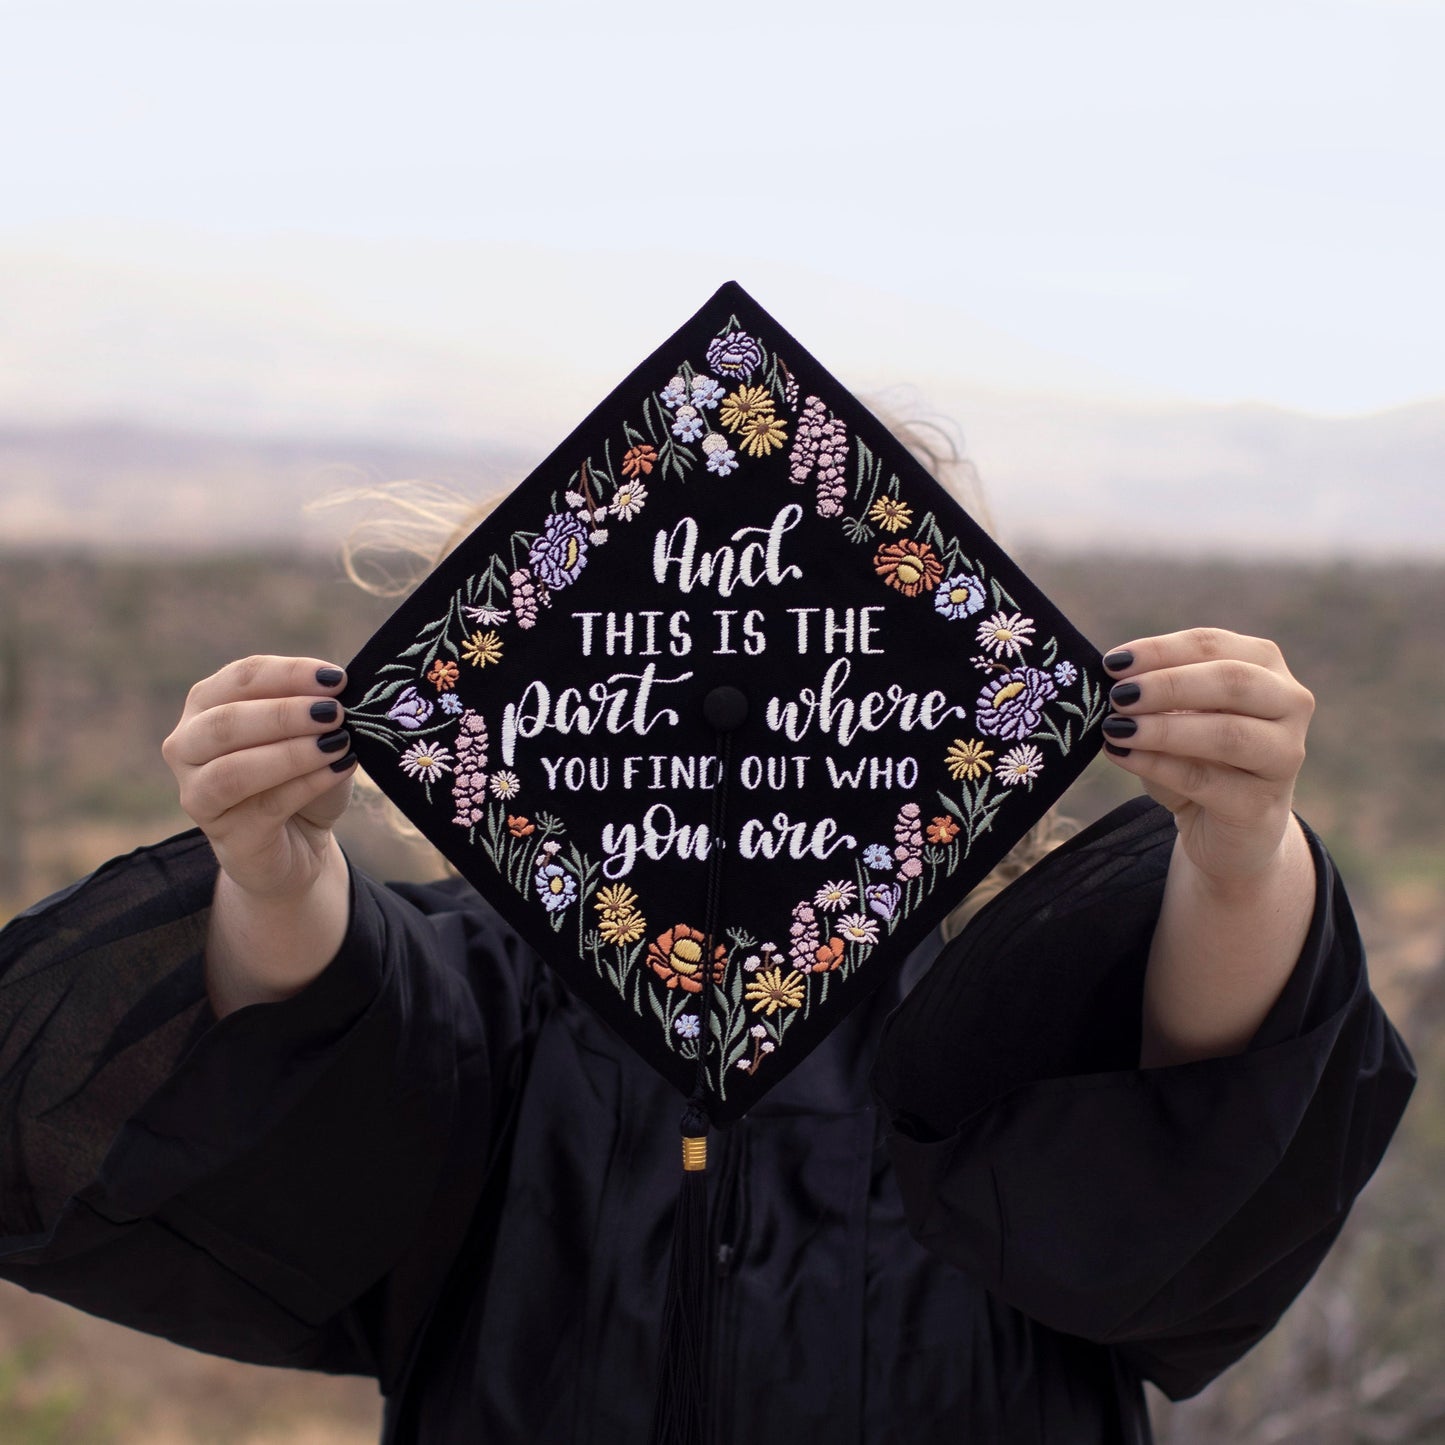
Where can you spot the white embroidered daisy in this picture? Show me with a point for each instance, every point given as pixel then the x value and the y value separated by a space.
pixel 858 928
pixel 1019 765
pixel 1004 634
pixel 504 784
pixel 627 503
pixel 488 616
pixel 832 896
pixel 427 761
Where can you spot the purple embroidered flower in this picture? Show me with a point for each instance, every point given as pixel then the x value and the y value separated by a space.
pixel 688 1026
pixel 674 393
pixel 1065 674
pixel 469 783
pixel 1012 706
pixel 556 887
pixel 451 703
pixel 706 393
pixel 803 937
pixel 883 898
pixel 961 596
pixel 908 832
pixel 687 424
pixel 736 355
pixel 560 553
pixel 876 856
pixel 411 710
pixel 528 594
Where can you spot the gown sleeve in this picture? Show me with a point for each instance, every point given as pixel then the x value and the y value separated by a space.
pixel 1172 1213
pixel 287 1185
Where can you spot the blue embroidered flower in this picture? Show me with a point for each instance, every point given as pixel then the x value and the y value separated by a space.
pixel 1065 674
pixel 687 424
pixel 688 1025
pixel 555 887
pixel 411 710
pixel 883 898
pixel 723 461
pixel 736 355
pixel 674 393
pixel 875 855
pixel 961 596
pixel 1012 706
pixel 706 393
pixel 451 703
pixel 560 553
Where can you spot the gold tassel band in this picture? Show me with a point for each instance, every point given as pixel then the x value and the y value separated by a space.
pixel 694 1153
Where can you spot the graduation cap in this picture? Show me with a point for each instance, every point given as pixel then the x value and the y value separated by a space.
pixel 723 709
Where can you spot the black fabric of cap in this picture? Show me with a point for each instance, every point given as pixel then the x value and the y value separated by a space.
pixel 729 568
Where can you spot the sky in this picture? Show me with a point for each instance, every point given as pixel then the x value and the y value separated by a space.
pixel 1239 201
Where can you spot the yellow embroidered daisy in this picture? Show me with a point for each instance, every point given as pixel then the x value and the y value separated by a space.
pixel 968 759
pixel 890 514
pixel 771 991
pixel 762 435
pixel 481 648
pixel 615 900
pixel 622 928
pixel 745 405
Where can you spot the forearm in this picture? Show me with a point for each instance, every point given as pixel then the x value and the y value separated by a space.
pixel 262 950
pixel 1222 952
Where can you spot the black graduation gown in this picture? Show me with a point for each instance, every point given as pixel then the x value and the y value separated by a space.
pixel 435 1166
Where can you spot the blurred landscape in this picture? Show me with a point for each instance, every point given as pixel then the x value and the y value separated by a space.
pixel 97 652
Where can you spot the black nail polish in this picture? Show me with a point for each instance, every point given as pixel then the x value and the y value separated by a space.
pixel 1120 727
pixel 1123 693
pixel 1118 661
pixel 1108 748
pixel 329 676
pixel 323 711
pixel 341 765
pixel 334 742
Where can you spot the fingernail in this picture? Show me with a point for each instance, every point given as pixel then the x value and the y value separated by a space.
pixel 341 764
pixel 329 676
pixel 1108 748
pixel 334 742
pixel 1118 661
pixel 1120 727
pixel 323 711
pixel 1123 693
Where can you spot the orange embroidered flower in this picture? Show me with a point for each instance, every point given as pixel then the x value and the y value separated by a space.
pixel 444 675
pixel 676 957
pixel 912 567
pixel 941 830
pixel 520 827
pixel 829 956
pixel 638 461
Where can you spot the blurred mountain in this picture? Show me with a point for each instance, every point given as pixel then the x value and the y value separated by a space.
pixel 1058 471
pixel 197 396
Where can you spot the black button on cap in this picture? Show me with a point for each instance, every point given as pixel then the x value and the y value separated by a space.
pixel 725 708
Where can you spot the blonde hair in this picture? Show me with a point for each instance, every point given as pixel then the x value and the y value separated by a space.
pixel 412 525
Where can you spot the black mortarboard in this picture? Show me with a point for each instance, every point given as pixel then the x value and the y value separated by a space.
pixel 725 706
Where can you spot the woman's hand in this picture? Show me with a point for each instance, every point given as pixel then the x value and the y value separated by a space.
pixel 1214 725
pixel 265 769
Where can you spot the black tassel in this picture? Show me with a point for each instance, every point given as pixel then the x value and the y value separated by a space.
pixel 680 1414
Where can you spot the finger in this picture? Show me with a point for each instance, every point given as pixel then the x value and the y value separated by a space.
pixel 263 676
pixel 1246 745
pixel 259 817
pixel 1197 644
pixel 1228 685
pixel 1221 790
pixel 232 727
pixel 214 789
